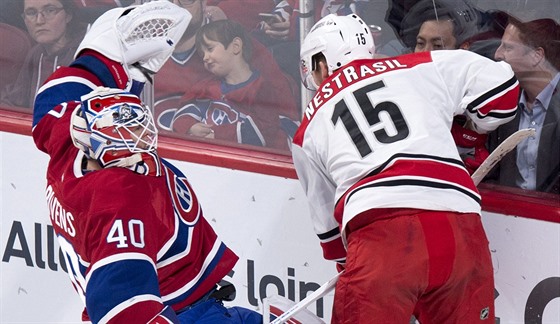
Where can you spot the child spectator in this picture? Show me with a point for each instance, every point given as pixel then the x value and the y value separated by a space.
pixel 238 103
pixel 180 75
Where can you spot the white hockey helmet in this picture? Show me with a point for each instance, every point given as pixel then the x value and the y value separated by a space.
pixel 143 35
pixel 114 128
pixel 341 39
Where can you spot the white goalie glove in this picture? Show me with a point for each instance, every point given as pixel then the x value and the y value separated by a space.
pixel 141 38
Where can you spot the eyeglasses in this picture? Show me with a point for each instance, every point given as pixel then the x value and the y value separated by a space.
pixel 48 13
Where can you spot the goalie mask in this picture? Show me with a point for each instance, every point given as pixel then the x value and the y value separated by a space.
pixel 114 128
pixel 142 37
pixel 341 39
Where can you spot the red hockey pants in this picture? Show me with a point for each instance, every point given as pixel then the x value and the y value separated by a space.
pixel 435 265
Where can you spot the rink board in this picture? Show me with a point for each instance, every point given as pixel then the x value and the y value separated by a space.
pixel 264 218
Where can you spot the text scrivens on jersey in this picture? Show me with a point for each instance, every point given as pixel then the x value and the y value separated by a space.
pixel 59 216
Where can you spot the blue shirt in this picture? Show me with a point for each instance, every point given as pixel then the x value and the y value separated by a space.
pixel 527 150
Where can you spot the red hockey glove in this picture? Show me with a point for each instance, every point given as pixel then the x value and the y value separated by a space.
pixel 472 163
pixel 467 138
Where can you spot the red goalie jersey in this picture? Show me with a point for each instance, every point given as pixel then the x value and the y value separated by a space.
pixel 133 244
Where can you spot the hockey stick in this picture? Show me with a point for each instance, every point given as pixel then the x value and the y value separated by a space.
pixel 505 147
pixel 322 291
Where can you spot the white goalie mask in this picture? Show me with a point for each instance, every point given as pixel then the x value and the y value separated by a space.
pixel 143 35
pixel 341 39
pixel 114 128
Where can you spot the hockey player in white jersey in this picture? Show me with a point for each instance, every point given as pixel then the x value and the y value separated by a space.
pixel 390 198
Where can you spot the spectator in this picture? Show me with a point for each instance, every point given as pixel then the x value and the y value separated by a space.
pixel 389 197
pixel 450 24
pixel 184 68
pixel 533 51
pixel 178 77
pixel 435 35
pixel 239 103
pixel 52 26
pixel 137 246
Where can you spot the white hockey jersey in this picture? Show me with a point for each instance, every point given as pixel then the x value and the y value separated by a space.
pixel 377 135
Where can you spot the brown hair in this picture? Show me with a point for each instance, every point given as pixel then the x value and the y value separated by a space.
pixel 544 33
pixel 224 32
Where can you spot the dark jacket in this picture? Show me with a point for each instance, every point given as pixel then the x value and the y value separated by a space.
pixel 548 154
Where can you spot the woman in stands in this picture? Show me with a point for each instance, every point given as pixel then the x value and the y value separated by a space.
pixel 57 33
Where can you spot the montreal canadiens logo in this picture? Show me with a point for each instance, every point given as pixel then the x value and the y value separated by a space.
pixel 221 113
pixel 183 194
pixel 183 199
